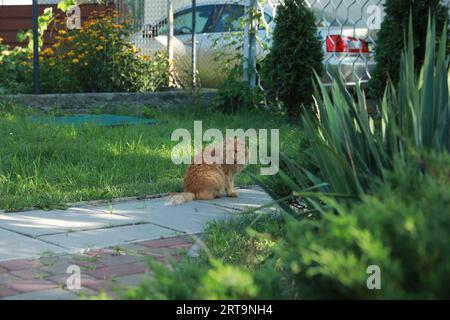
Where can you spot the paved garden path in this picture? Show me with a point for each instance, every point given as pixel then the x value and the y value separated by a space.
pixel 109 242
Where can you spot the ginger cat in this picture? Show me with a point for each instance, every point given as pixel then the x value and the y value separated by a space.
pixel 208 181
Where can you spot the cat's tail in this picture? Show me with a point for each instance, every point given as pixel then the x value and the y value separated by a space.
pixel 180 198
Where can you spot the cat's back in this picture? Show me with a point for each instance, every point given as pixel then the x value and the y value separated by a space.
pixel 201 176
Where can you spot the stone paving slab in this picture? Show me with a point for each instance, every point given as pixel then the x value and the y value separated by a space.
pixel 118 269
pixel 247 199
pixel 8 278
pixel 32 285
pixel 53 294
pixel 15 246
pixel 40 222
pixel 101 238
pixel 29 234
pixel 188 218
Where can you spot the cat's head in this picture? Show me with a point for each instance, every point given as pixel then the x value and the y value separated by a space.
pixel 235 154
pixel 232 154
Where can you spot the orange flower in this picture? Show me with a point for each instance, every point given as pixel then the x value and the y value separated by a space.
pixel 48 51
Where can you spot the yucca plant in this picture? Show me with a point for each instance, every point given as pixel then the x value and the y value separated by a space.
pixel 422 104
pixel 352 147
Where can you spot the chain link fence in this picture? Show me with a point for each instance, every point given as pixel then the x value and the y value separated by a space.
pixel 226 35
pixel 348 29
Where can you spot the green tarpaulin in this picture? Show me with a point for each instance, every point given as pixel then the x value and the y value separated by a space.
pixel 95 119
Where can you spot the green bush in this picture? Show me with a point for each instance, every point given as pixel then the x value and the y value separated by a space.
pixel 190 280
pixel 236 95
pixel 402 228
pixel 390 42
pixel 98 57
pixel 296 52
pixel 14 68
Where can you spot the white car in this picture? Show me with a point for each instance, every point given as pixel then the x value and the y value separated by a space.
pixel 346 48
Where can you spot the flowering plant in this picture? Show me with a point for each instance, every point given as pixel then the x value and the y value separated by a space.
pixel 99 58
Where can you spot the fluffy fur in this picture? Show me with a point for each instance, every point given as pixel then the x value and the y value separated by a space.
pixel 209 181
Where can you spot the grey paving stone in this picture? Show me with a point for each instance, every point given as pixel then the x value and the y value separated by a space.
pixel 189 218
pixel 80 228
pixel 94 239
pixel 247 199
pixel 59 265
pixel 130 280
pixel 61 279
pixel 6 278
pixel 29 274
pixel 54 294
pixel 16 246
pixel 40 222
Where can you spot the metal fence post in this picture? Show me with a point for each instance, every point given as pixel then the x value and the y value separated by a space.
pixel 250 43
pixel 35 13
pixel 170 40
pixel 194 44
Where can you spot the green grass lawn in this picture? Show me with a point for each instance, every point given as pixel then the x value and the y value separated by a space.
pixel 48 166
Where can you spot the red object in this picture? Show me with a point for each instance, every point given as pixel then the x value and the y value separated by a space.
pixel 338 43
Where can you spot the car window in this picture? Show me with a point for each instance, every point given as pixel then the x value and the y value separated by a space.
pixel 182 21
pixel 231 18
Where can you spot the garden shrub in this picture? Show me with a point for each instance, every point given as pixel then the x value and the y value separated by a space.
pixel 96 58
pixel 236 95
pixel 14 69
pixel 391 37
pixel 16 63
pixel 402 228
pixel 190 280
pixel 99 58
pixel 296 52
